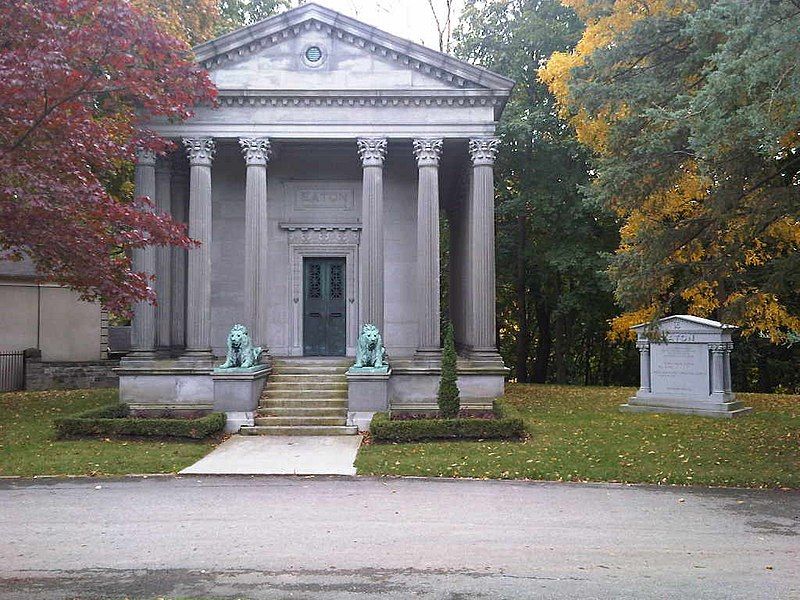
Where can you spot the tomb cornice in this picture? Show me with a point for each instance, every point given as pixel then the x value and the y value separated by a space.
pixel 311 17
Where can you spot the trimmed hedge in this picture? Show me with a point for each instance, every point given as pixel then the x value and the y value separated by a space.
pixel 384 429
pixel 115 420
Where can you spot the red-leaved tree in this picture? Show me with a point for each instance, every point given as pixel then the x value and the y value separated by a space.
pixel 77 78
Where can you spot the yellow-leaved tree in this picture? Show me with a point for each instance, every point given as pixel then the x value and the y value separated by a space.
pixel 691 111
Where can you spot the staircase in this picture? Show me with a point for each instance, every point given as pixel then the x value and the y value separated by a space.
pixel 304 396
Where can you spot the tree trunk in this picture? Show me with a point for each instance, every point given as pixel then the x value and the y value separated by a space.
pixel 587 344
pixel 560 348
pixel 545 342
pixel 521 290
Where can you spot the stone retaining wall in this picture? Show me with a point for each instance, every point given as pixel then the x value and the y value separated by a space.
pixel 68 375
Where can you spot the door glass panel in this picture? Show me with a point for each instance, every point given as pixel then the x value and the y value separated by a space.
pixel 337 282
pixel 315 280
pixel 324 323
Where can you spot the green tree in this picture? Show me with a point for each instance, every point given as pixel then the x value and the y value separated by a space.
pixel 691 110
pixel 553 244
pixel 448 395
pixel 241 13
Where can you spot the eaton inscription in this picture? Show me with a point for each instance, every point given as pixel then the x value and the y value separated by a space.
pixel 312 200
pixel 679 369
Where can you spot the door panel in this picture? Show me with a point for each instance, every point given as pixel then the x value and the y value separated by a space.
pixel 324 293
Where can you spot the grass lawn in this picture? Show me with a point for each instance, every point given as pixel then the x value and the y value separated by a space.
pixel 28 446
pixel 578 434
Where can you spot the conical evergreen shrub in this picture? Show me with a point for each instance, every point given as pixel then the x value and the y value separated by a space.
pixel 448 398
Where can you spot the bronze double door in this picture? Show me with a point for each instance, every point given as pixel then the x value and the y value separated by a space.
pixel 324 323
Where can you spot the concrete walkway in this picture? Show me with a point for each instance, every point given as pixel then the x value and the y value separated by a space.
pixel 280 455
pixel 320 538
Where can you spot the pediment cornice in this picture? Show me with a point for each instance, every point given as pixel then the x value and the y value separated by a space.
pixel 244 42
pixel 360 98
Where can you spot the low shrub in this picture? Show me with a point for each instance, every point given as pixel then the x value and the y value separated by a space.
pixel 384 429
pixel 115 420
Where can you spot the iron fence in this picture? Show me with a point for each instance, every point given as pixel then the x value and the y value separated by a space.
pixel 12 371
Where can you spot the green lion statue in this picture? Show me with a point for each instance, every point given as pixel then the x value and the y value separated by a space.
pixel 241 353
pixel 370 351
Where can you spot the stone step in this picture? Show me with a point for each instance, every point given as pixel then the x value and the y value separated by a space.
pixel 298 430
pixel 290 386
pixel 309 370
pixel 283 411
pixel 307 379
pixel 283 402
pixel 338 394
pixel 300 421
pixel 312 360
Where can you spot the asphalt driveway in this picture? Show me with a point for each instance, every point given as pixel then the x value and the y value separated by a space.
pixel 295 537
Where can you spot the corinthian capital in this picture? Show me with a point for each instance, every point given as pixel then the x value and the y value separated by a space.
pixel 483 150
pixel 200 150
pixel 257 151
pixel 146 158
pixel 372 151
pixel 427 152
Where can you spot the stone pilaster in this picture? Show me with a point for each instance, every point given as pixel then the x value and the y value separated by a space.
pixel 180 178
pixel 728 383
pixel 372 152
pixel 427 153
pixel 198 288
pixel 257 153
pixel 717 368
pixel 163 259
pixel 644 365
pixel 143 329
pixel 481 252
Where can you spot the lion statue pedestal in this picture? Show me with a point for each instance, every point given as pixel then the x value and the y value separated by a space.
pixel 238 382
pixel 368 378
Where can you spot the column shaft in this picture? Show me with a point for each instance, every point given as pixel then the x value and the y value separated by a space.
pixel 163 259
pixel 198 292
pixel 727 369
pixel 718 369
pixel 178 277
pixel 482 260
pixel 256 152
pixel 427 152
pixel 644 366
pixel 143 330
pixel 372 152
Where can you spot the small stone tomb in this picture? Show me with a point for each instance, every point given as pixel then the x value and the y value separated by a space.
pixel 685 368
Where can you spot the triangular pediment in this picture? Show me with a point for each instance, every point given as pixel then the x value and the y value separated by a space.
pixel 678 323
pixel 272 55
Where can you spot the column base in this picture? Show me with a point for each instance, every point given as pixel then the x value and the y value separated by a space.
pixel 485 356
pixel 197 358
pixel 429 357
pixel 138 357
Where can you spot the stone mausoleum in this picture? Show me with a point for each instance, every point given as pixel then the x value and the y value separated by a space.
pixel 318 188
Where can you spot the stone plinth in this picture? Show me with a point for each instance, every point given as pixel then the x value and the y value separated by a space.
pixel 414 386
pixel 368 389
pixel 685 368
pixel 367 393
pixel 158 385
pixel 236 393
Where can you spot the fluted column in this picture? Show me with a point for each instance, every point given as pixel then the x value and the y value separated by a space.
pixel 372 152
pixel 178 277
pixel 163 259
pixel 256 154
pixel 481 252
pixel 644 365
pixel 727 368
pixel 143 326
pixel 718 352
pixel 427 153
pixel 198 289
